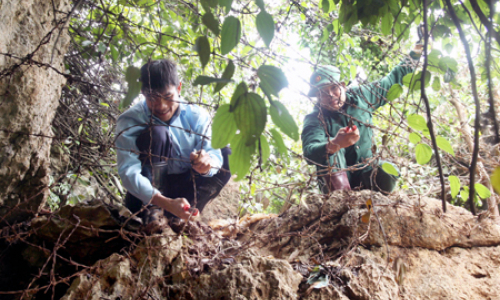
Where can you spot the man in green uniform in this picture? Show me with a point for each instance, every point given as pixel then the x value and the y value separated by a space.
pixel 337 135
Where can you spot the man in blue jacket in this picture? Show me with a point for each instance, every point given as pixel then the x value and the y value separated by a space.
pixel 165 157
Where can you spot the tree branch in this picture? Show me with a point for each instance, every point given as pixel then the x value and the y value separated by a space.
pixel 428 109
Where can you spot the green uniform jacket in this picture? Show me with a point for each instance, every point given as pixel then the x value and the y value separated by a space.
pixel 322 125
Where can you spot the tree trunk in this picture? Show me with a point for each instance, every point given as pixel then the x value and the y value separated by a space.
pixel 33 42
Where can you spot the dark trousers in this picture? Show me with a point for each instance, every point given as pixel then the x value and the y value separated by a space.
pixel 157 140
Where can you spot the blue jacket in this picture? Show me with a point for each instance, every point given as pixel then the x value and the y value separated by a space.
pixel 187 126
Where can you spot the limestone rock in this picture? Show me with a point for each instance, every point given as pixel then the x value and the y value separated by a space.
pixel 252 278
pixel 30 89
pixel 338 241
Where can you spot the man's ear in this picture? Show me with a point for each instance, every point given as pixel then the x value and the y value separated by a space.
pixel 179 88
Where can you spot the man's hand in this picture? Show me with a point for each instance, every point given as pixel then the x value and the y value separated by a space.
pixel 173 206
pixel 201 161
pixel 346 137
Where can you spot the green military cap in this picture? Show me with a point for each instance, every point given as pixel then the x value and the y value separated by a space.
pixel 323 76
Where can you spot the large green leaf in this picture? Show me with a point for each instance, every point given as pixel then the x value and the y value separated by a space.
pixel 447 62
pixel 208 4
pixel 454 185
pixel 132 75
pixel 495 180
pixel 202 46
pixel 204 80
pixel 390 169
pixel 282 118
pixel 265 26
pixel 238 92
pixel 226 4
pixel 415 138
pixel 241 156
pixel 279 143
pixel 436 84
pixel 394 92
pixel 482 191
pixel 272 79
pixel 464 193
pixel 444 145
pixel 441 31
pixel 413 81
pixel 387 20
pixel 251 116
pixel 260 4
pixel 211 22
pixel 423 153
pixel 228 74
pixel 433 57
pixel 417 122
pixel 265 151
pixel 325 6
pixel 231 34
pixel 223 127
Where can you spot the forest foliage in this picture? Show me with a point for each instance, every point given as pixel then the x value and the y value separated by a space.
pixel 247 63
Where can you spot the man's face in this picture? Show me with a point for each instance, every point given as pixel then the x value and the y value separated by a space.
pixel 163 104
pixel 332 97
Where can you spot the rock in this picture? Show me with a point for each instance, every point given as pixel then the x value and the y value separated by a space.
pixel 224 206
pixel 252 278
pixel 30 90
pixel 97 224
pixel 111 279
pixel 421 253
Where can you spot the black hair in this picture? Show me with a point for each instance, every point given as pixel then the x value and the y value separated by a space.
pixel 156 75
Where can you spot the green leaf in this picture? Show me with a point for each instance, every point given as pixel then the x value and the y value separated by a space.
pixel 454 185
pixel 265 26
pixel 282 118
pixel 415 138
pixel 260 4
pixel 226 4
pixel 279 143
pixel 436 84
pixel 387 20
pixel 223 127
pixel 495 180
pixel 394 92
pixel 251 116
pixel 114 53
pixel 464 193
pixel 417 122
pixel 231 34
pixel 423 153
pixel 444 145
pixel 272 79
pixel 132 75
pixel 433 57
pixel 265 151
pixel 211 22
pixel 203 48
pixel 228 74
pixel 448 62
pixel 482 191
pixel 413 81
pixel 207 4
pixel 241 156
pixel 441 31
pixel 204 80
pixel 325 5
pixel 448 47
pixel 238 92
pixel 390 169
